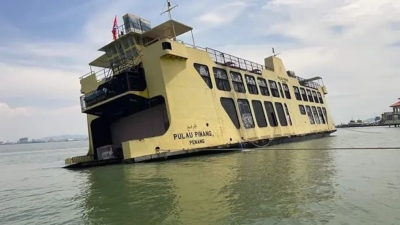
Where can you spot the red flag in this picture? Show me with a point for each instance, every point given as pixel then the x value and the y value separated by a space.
pixel 115 28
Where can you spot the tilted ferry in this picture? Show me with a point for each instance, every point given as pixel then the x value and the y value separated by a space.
pixel 158 97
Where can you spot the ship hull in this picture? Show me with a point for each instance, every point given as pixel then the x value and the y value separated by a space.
pixel 206 151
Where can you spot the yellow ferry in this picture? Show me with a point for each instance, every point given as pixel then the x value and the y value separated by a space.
pixel 157 97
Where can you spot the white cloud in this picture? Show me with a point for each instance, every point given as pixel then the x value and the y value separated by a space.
pixel 37 82
pixel 223 14
pixel 348 43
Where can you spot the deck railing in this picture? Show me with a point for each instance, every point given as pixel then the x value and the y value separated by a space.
pixel 236 62
pixel 132 27
pixel 100 75
pixel 310 84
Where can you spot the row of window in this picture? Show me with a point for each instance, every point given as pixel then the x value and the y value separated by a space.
pixel 307 95
pixel 277 89
pixel 265 113
pixel 316 115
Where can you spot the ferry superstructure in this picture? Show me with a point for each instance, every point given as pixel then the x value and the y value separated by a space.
pixel 157 97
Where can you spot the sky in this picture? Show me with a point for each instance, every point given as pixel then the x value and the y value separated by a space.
pixel 353 45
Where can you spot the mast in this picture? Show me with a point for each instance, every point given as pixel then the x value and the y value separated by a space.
pixel 169 8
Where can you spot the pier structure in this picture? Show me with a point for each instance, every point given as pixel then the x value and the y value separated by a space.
pixel 392 118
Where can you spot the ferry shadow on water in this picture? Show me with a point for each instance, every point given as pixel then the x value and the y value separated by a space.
pixel 257 186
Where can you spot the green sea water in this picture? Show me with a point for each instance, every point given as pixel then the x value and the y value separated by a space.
pixel 285 186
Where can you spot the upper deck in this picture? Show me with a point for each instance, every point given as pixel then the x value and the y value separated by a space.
pixel 136 34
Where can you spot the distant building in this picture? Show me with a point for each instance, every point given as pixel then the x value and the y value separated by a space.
pixel 23 140
pixel 392 118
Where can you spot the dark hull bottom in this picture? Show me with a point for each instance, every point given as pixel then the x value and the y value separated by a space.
pixel 205 151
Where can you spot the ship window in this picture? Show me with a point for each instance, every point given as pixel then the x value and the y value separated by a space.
pixel 120 49
pixel 281 114
pixel 221 79
pixel 302 110
pixel 229 105
pixel 288 114
pixel 309 95
pixel 297 93
pixel 166 45
pixel 138 40
pixel 245 112
pixel 135 52
pixel 251 84
pixel 262 84
pixel 131 41
pixel 314 110
pixel 303 94
pixel 315 96
pixel 286 90
pixel 110 51
pixel 237 82
pixel 321 115
pixel 271 114
pixel 125 42
pixel 320 98
pixel 325 114
pixel 274 88
pixel 203 71
pixel 259 113
pixel 309 113
pixel 280 89
pixel 129 53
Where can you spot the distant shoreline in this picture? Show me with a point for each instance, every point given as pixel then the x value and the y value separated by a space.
pixel 42 142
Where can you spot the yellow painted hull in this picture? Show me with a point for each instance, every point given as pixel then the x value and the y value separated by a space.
pixel 196 114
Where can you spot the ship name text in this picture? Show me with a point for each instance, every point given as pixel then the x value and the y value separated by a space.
pixel 283 79
pixel 195 137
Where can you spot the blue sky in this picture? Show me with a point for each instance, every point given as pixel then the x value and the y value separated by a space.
pixel 45 47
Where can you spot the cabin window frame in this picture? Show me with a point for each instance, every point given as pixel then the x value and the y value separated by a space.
pixel 280 89
pixel 251 84
pixel 281 114
pixel 286 91
pixel 125 43
pixel 310 115
pixel 325 114
pixel 303 94
pixel 315 113
pixel 246 114
pixel 274 88
pixel 314 94
pixel 297 94
pixel 302 110
pixel 229 106
pixel 204 74
pixel 237 82
pixel 309 95
pixel 221 78
pixel 259 114
pixel 288 118
pixel 263 86
pixel 272 119
pixel 320 97
pixel 321 115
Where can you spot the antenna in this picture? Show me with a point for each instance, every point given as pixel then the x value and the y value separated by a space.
pixel 273 52
pixel 169 8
